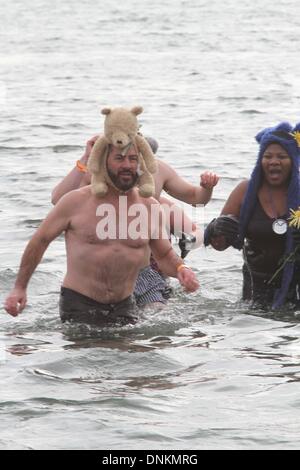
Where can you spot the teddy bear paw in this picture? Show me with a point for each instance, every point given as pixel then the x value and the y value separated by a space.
pixel 99 189
pixel 146 190
pixel 152 167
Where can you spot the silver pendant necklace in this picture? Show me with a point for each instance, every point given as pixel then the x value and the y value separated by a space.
pixel 279 226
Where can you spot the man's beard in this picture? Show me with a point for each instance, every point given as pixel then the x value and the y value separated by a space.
pixel 123 185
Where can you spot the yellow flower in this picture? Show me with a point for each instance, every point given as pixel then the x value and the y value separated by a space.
pixel 296 135
pixel 295 217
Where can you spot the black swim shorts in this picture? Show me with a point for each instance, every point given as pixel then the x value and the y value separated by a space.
pixel 76 307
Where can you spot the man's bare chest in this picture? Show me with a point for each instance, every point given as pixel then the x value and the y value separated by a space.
pixel 107 225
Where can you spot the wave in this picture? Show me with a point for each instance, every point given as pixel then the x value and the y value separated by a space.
pixel 30 223
pixel 60 148
pixel 251 111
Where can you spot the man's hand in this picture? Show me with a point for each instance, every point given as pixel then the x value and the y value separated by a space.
pixel 208 180
pixel 15 302
pixel 188 280
pixel 88 148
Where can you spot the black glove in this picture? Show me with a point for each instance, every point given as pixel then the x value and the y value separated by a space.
pixel 186 242
pixel 226 225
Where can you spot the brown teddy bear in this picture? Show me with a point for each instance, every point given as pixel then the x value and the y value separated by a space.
pixel 120 129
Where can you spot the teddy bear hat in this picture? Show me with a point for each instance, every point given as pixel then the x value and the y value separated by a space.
pixel 120 130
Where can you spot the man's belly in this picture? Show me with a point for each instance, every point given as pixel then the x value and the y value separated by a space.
pixel 106 274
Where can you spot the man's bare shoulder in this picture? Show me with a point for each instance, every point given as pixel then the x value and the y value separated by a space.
pixel 163 167
pixel 75 197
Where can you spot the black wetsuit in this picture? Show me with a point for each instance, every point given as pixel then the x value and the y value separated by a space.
pixel 263 251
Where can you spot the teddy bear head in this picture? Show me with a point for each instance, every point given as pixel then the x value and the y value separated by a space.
pixel 120 130
pixel 121 125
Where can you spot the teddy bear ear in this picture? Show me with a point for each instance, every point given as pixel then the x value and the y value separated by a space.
pixel 105 111
pixel 260 135
pixel 137 110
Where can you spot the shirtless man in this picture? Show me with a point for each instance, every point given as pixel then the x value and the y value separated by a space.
pixel 152 286
pixel 101 273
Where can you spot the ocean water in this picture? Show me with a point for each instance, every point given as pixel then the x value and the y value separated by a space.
pixel 206 372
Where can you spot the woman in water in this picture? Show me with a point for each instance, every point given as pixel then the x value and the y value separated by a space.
pixel 256 218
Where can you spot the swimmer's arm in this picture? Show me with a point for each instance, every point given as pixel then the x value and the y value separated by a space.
pixel 234 202
pixel 179 222
pixel 160 245
pixel 166 258
pixel 184 191
pixel 54 224
pixel 73 180
pixel 168 261
pixel 76 178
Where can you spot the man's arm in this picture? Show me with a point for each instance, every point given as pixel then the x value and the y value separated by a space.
pixel 184 191
pixel 168 261
pixel 172 265
pixel 180 225
pixel 178 221
pixel 76 178
pixel 54 224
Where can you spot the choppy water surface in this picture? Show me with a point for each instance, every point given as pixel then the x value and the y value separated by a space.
pixel 206 372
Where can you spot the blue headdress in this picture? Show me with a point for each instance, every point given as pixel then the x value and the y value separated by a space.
pixel 289 138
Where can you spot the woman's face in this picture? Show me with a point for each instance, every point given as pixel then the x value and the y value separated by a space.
pixel 276 165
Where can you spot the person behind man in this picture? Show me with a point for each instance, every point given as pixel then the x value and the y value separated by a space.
pixel 152 286
pixel 101 270
pixel 166 178
pixel 256 218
